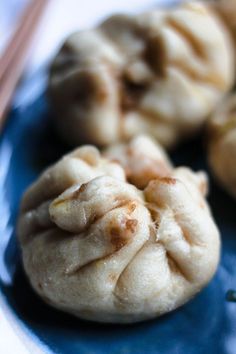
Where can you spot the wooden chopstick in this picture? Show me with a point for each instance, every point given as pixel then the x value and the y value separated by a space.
pixel 16 39
pixel 13 60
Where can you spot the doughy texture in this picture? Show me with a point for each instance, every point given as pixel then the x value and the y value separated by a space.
pixel 142 159
pixel 159 73
pixel 222 144
pixel 96 246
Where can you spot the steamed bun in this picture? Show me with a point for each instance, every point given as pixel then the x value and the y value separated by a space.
pixel 104 246
pixel 222 144
pixel 159 73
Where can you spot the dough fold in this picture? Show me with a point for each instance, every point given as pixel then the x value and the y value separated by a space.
pixel 103 245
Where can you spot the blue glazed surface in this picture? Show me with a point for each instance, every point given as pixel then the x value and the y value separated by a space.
pixel 207 324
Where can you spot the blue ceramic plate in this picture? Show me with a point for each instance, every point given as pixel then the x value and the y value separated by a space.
pixel 207 324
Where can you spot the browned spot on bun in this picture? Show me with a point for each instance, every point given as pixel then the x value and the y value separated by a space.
pixel 168 180
pixel 117 239
pixel 131 225
pixel 115 231
pixel 121 234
